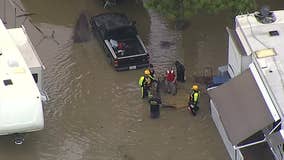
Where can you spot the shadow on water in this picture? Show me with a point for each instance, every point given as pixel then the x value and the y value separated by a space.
pixel 82 29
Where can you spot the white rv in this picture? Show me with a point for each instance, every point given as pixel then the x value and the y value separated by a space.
pixel 248 109
pixel 21 108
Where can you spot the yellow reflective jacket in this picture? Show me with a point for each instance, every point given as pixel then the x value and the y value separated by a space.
pixel 145 80
pixel 194 97
pixel 141 81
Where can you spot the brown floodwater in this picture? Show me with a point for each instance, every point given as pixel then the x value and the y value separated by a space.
pixel 95 113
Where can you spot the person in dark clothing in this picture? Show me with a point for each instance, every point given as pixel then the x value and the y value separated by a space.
pixel 152 71
pixel 154 102
pixel 153 75
pixel 180 71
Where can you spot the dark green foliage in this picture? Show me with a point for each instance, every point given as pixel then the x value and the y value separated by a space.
pixel 180 9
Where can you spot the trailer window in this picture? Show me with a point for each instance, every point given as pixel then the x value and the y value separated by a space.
pixel 35 76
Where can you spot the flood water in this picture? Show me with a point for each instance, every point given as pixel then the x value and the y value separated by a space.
pixel 96 113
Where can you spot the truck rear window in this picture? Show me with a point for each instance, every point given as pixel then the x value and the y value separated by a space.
pixel 122 33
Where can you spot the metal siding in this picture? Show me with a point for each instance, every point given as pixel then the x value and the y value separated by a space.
pixel 223 134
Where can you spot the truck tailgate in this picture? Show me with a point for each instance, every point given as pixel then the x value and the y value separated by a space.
pixel 133 62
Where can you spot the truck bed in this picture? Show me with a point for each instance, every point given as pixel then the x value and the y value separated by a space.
pixel 131 47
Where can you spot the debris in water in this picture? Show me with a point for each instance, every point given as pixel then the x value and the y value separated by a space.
pixel 166 44
pixel 131 131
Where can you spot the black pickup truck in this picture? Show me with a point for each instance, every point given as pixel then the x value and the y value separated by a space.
pixel 120 40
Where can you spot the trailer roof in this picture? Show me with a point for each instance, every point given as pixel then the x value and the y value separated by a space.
pixel 25 47
pixel 264 42
pixel 236 108
pixel 20 102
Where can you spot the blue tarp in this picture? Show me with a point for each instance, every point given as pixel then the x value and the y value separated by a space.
pixel 219 79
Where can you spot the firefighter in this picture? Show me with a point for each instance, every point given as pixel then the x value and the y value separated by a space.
pixel 193 104
pixel 145 82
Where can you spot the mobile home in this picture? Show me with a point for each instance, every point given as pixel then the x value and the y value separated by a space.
pixel 248 108
pixel 20 91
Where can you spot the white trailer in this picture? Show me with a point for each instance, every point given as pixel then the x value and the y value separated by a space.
pixel 248 109
pixel 21 108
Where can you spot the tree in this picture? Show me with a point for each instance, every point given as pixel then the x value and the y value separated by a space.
pixel 183 9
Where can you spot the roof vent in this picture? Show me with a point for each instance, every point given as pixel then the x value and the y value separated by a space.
pixel 7 82
pixel 273 33
pixel 13 63
pixel 265 16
